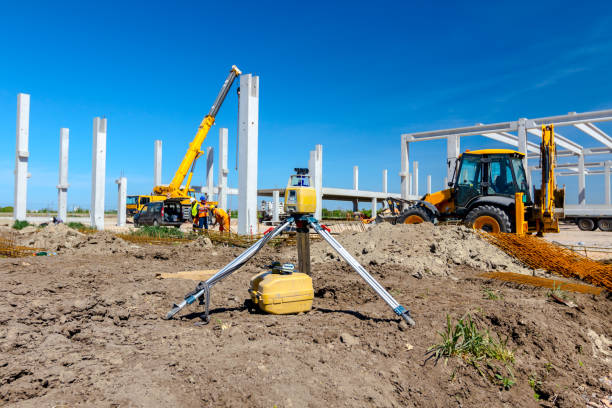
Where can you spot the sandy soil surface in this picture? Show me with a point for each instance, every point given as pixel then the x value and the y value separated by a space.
pixel 594 244
pixel 85 328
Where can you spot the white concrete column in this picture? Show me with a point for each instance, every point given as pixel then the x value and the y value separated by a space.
pixel 21 157
pixel 157 165
pixel 415 178
pixel 384 181
pixel 98 173
pixel 355 177
pixel 404 172
pixel 522 146
pixel 581 181
pixel 223 170
pixel 428 184
pixel 410 183
pixel 210 172
pixel 121 200
pixel 62 186
pixel 275 204
pixel 318 180
pixel 607 197
pixel 248 127
pixel 445 183
pixel 374 205
pixel 452 153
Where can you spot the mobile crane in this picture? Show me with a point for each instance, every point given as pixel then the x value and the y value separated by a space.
pixel 490 192
pixel 175 190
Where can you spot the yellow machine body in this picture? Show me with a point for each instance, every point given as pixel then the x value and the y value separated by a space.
pixel 300 197
pixel 135 203
pixel 282 293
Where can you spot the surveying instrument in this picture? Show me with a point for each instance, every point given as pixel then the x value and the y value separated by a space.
pixel 300 205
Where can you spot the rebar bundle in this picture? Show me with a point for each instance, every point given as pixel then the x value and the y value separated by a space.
pixel 9 249
pixel 540 254
pixel 144 239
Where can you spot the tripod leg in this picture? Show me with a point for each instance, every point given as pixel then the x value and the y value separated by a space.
pixel 386 296
pixel 203 288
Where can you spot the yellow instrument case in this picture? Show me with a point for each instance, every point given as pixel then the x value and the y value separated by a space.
pixel 282 291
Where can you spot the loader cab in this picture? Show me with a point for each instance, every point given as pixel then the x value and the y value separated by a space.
pixel 489 173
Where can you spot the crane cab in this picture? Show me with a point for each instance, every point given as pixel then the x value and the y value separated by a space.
pixel 300 196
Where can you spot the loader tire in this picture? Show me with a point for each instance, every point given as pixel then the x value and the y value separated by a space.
pixel 489 219
pixel 414 215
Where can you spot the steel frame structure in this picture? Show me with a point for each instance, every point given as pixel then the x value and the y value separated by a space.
pixel 514 133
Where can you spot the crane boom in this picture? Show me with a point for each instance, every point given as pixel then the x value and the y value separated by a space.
pixel 193 152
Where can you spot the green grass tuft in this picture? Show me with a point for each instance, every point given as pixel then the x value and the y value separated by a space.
pixel 20 224
pixel 79 226
pixel 159 232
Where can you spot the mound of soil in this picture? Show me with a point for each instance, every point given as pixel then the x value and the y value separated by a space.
pixel 424 249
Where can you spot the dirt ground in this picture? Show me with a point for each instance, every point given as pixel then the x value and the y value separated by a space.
pixel 86 328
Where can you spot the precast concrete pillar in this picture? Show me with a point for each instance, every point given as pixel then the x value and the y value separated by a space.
pixel 581 181
pixel 404 173
pixel 248 128
pixel 452 153
pixel 522 145
pixel 223 170
pixel 356 187
pixel 22 155
pixel 121 200
pixel 318 180
pixel 157 164
pixel 384 181
pixel 415 178
pixel 428 184
pixel 98 173
pixel 62 186
pixel 374 205
pixel 210 184
pixel 275 205
pixel 607 197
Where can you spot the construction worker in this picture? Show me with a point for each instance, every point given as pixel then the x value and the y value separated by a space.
pixel 222 218
pixel 194 213
pixel 203 213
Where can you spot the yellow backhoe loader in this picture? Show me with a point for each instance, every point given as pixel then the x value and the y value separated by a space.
pixel 490 192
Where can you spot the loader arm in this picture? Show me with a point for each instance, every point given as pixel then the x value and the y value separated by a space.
pixel 173 189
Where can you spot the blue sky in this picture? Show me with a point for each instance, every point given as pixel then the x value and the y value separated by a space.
pixel 352 76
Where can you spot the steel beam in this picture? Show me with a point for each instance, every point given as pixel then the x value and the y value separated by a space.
pixel 560 140
pixel 596 133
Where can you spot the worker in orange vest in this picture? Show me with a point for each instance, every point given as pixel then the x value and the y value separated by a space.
pixel 222 218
